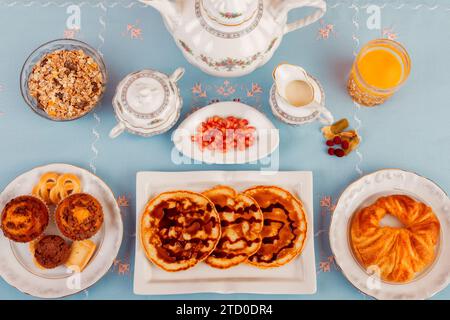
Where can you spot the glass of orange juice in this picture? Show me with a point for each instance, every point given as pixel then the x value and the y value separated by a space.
pixel 380 69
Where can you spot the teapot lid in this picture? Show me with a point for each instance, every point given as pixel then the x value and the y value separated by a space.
pixel 145 94
pixel 230 12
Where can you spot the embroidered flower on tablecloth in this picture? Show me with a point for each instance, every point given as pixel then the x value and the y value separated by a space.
pixel 204 94
pixel 325 30
pixel 389 33
pixel 256 88
pixel 327 206
pixel 120 267
pixel 325 266
pixel 134 31
pixel 197 90
pixel 123 201
pixel 325 202
pixel 71 33
pixel 226 89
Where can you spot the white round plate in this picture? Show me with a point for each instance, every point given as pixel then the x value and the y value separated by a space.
pixel 16 262
pixel 267 136
pixel 365 191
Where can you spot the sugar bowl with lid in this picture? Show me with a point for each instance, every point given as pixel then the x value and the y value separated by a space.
pixel 147 103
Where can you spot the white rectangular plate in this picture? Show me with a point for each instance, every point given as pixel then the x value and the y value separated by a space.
pixel 296 277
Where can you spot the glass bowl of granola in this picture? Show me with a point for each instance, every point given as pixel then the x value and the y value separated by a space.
pixel 63 79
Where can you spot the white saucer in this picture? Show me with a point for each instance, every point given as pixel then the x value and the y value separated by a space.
pixel 160 129
pixel 362 193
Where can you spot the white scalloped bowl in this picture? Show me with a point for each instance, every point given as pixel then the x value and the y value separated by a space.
pixel 266 135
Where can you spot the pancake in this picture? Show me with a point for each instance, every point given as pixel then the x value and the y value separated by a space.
pixel 79 216
pixel 241 220
pixel 179 229
pixel 24 218
pixel 285 226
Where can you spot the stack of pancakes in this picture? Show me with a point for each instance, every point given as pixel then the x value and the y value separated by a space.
pixel 264 226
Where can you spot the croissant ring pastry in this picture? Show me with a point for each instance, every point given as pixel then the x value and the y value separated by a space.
pixel 399 253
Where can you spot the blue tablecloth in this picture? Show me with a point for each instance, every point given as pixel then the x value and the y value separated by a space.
pixel 409 132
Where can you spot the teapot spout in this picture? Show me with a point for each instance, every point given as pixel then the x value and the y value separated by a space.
pixel 167 9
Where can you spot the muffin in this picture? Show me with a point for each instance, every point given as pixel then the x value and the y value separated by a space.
pixel 51 251
pixel 79 216
pixel 24 218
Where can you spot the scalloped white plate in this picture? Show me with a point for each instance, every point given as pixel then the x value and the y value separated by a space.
pixel 267 136
pixel 16 264
pixel 363 192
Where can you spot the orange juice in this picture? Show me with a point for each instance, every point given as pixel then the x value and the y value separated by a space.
pixel 379 70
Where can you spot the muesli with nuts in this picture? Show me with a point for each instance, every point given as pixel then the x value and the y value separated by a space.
pixel 67 84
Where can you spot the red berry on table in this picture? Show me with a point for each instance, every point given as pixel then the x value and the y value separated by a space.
pixel 339 153
pixel 330 143
pixel 337 140
pixel 345 144
pixel 331 151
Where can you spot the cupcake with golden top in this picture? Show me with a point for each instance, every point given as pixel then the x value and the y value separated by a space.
pixel 79 216
pixel 24 218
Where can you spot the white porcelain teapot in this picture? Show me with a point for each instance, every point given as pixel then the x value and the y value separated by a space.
pixel 231 38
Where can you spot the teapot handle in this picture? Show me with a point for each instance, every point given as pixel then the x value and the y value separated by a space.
pixel 167 8
pixel 293 4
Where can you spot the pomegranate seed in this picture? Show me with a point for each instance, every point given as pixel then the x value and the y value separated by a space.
pixel 337 140
pixel 243 122
pixel 331 151
pixel 339 153
pixel 330 143
pixel 345 144
pixel 223 134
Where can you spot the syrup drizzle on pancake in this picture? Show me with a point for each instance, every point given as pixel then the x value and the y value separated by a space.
pixel 178 238
pixel 244 211
pixel 271 240
pixel 285 226
pixel 241 223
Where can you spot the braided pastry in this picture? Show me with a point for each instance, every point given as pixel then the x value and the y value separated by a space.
pixel 399 253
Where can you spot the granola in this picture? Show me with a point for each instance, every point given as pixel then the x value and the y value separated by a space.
pixel 66 84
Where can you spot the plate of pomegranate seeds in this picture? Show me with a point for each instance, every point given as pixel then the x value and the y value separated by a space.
pixel 226 133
